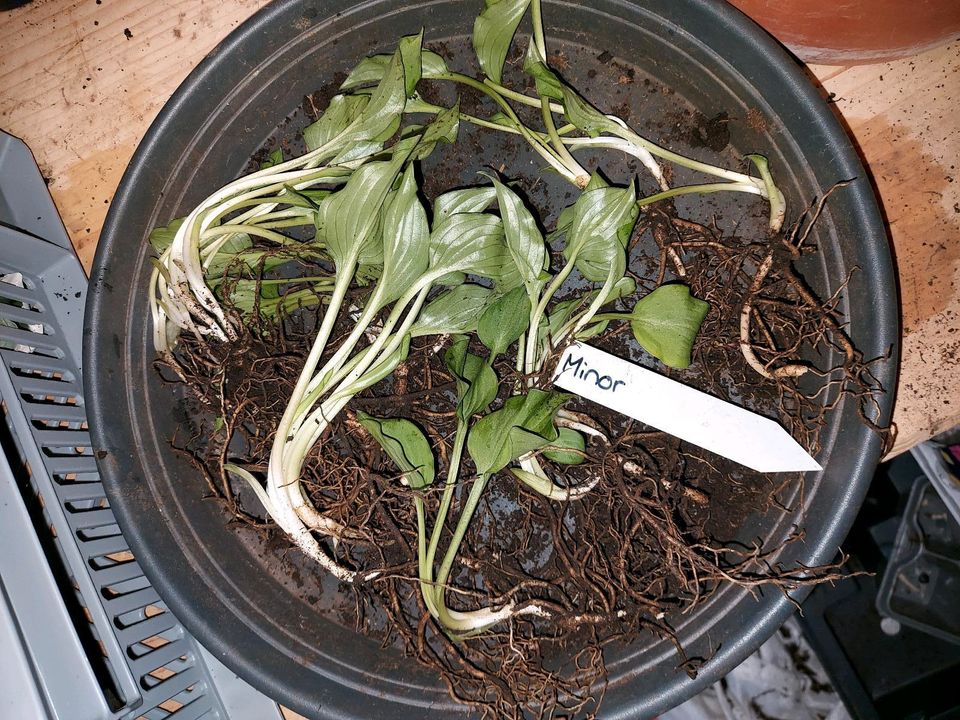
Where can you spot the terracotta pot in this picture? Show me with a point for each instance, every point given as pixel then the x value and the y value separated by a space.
pixel 856 31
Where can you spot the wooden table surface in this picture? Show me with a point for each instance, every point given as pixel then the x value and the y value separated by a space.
pixel 81 80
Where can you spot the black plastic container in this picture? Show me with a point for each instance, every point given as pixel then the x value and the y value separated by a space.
pixel 209 574
pixel 883 671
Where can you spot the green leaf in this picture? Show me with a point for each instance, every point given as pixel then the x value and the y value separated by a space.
pixel 602 257
pixel 275 158
pixel 266 298
pixel 162 237
pixel 406 445
pixel 598 216
pixel 246 296
pixel 371 249
pixel 563 223
pixel 380 117
pixel 444 129
pixel 410 48
pixel 523 441
pixel 370 70
pixel 524 424
pixel 508 278
pixel 566 215
pixel 307 199
pixel 253 261
pixel 467 200
pixel 493 32
pixel 567 449
pixel 452 279
pixel 593 330
pixel 417 104
pixel 364 148
pixel 501 118
pixel 563 311
pixel 547 82
pixel 364 119
pixel 350 218
pixel 406 239
pixel 432 64
pixel 454 312
pixel 314 195
pixel 536 412
pixel 598 258
pixel 624 287
pixel 370 245
pixel 626 230
pixel 368 272
pixel 666 323
pixel 596 181
pixel 340 113
pixel 477 383
pixel 523 238
pixel 584 115
pixel 226 256
pixel 383 367
pixel 504 321
pixel 469 243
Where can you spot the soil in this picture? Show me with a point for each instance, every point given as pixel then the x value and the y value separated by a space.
pixel 667 523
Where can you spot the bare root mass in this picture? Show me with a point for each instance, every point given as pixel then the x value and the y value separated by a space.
pixel 654 539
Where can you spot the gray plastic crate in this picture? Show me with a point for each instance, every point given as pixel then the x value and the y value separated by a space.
pixel 80 618
pixel 921 585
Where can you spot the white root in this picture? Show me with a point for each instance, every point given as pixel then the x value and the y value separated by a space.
pixel 580 422
pixel 697 496
pixel 439 344
pixel 322 524
pixel 532 474
pixel 372 330
pixel 290 523
pixel 300 534
pixel 186 260
pixel 645 157
pixel 294 512
pixel 791 370
pixel 476 620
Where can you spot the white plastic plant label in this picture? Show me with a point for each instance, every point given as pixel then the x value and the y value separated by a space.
pixel 691 415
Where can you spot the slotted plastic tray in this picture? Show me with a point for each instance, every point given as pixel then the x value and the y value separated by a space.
pixel 98 640
pixel 921 585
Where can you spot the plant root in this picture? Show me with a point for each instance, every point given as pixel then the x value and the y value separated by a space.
pixel 650 543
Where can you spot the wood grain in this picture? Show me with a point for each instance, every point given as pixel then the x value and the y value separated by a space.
pixel 81 81
pixel 903 117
